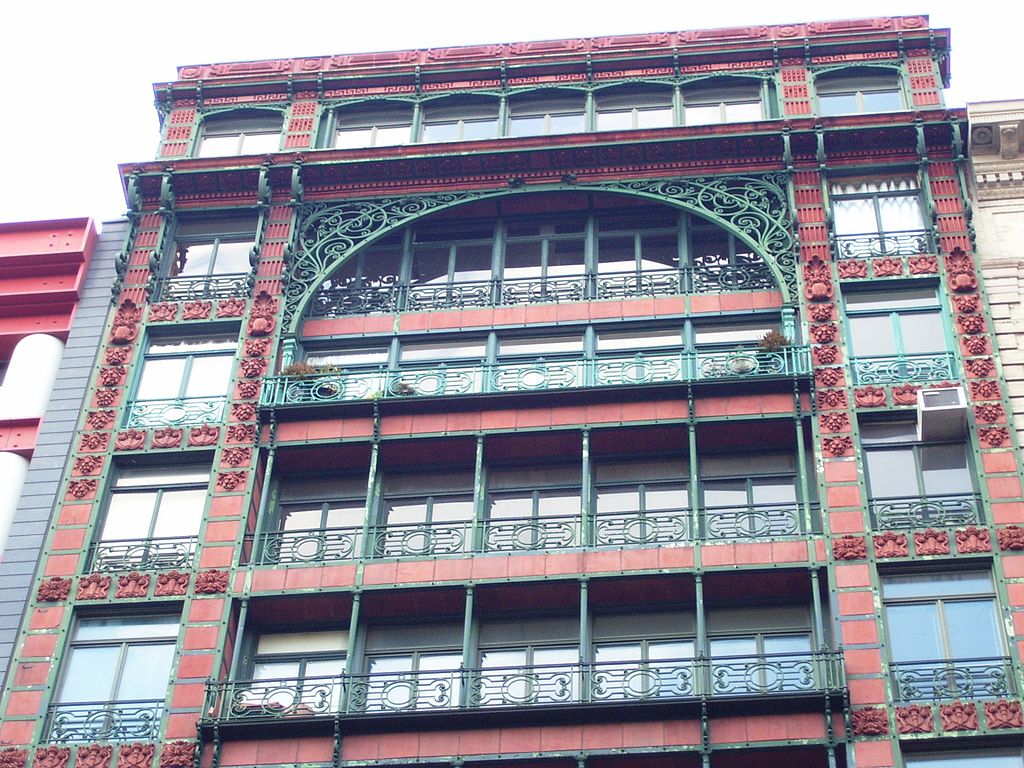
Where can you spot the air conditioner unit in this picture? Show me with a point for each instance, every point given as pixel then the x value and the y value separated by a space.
pixel 941 413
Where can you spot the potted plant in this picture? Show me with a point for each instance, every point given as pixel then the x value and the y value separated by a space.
pixel 773 341
pixel 299 370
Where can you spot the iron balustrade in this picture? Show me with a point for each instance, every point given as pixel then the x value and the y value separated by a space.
pixel 201 287
pixel 142 554
pixel 467 689
pixel 86 722
pixel 942 679
pixel 537 533
pixel 175 412
pixel 926 512
pixel 911 242
pixel 895 369
pixel 542 374
pixel 361 297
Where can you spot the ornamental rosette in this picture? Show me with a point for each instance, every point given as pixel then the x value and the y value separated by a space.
pixel 985 389
pixel 825 333
pixel 973 540
pixel 966 304
pixel 53 590
pixel 980 366
pixel 178 754
pixel 975 345
pixel 231 308
pixel 130 440
pixel 916 718
pixel 821 313
pixel 203 436
pixel 970 323
pixel 168 437
pixel 904 394
pixel 105 398
pixel 13 758
pixel 211 582
pixel 243 411
pixel 87 465
pixel 241 433
pixel 248 390
pixel 870 722
pixel 837 446
pixel 890 544
pixel 82 489
pixel 100 419
pixel 849 548
pixel 93 756
pixel 989 413
pixel 832 398
pixel 994 437
pixel 196 310
pixel 1011 538
pixel 116 355
pixel 835 421
pixel 825 355
pixel 112 376
pixel 163 313
pixel 959 717
pixel 887 267
pixel 133 584
pixel 253 367
pixel 236 457
pixel 923 265
pixel 1003 714
pixel 231 481
pixel 931 542
pixel 828 377
pixel 256 347
pixel 94 441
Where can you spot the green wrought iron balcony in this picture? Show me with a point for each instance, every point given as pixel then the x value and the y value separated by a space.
pixel 542 374
pixel 911 242
pixel 176 412
pixel 514 688
pixel 926 511
pixel 87 722
pixel 896 369
pixel 535 534
pixel 142 554
pixel 947 679
pixel 194 288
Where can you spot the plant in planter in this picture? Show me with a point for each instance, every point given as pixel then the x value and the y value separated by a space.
pixel 773 341
pixel 403 388
pixel 298 370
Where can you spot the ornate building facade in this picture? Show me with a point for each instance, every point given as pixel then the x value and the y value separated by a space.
pixel 628 401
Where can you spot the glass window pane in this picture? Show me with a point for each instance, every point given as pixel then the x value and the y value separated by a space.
pixel 611 500
pixel 346 515
pixel 774 490
pixel 615 121
pixel 393 135
pixel 275 670
pixel 669 650
pixel 854 216
pixel 161 379
pixel 480 129
pixel 945 471
pixel 468 349
pixel 654 118
pixel 528 125
pixel 900 213
pixel 511 506
pixel 88 674
pixel 411 511
pixel 354 138
pixel 725 493
pixel 219 146
pixel 302 642
pixel 914 632
pixel 255 143
pixel 629 342
pixel 452 510
pixel 146 671
pixel 129 516
pixel 922 333
pixel 542 346
pixel 180 513
pixel 787 643
pixel 973 630
pixel 837 103
pixel 892 473
pixel 570 123
pixel 558 504
pixel 122 629
pixel 446 131
pixel 209 376
pixel 872 335
pixel 907 298
pixel 938 584
pixel 732 646
pixel 742 112
pixel 232 258
pixel 301 519
pixel 710 114
pixel 194 259
pixel 882 101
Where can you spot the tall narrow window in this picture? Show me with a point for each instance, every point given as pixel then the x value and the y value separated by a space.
pixel 880 217
pixel 113 680
pixel 152 519
pixel 945 637
pixel 752 495
pixel 211 259
pixel 183 381
pixel 425 514
pixel 293 674
pixel 240 134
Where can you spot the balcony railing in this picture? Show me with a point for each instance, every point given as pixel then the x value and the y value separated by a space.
pixel 881 244
pixel 532 534
pixel 201 287
pixel 142 554
pixel 83 722
pixel 894 369
pixel 362 298
pixel 543 374
pixel 184 410
pixel 953 679
pixel 477 689
pixel 926 512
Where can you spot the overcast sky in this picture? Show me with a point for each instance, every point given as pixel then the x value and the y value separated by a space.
pixel 76 78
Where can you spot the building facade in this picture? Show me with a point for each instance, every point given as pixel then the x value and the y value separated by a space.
pixel 627 401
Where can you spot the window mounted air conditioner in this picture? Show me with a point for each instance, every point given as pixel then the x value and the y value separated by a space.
pixel 941 414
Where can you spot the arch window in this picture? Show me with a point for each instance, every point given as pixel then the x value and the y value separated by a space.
pixel 723 103
pixel 377 125
pixel 620 109
pixel 850 93
pixel 240 134
pixel 459 120
pixel 545 114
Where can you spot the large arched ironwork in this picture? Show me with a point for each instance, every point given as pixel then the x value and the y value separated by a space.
pixel 755 208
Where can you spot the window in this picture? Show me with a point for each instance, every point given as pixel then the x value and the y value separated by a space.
pixel 212 259
pixel 377 125
pixel 750 495
pixel 913 484
pixel 236 134
pixel 114 679
pixel 318 520
pixel 183 381
pixel 897 336
pixel 547 114
pixel 726 103
pixel 425 514
pixel 880 217
pixel 747 658
pixel 973 759
pixel 152 519
pixel 294 673
pixel 945 639
pixel 640 502
pixel 413 667
pixel 849 93
pixel 528 662
pixel 643 656
pixel 533 507
pixel 454 119
pixel 620 109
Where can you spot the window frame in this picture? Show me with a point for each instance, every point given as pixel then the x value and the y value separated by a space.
pixel 723 94
pixel 240 124
pixel 173 285
pixel 856 82
pixel 880 241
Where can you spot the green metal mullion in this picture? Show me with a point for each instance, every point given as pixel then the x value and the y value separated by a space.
pixel 590 256
pixel 819 619
pixel 186 374
pixel 584 652
pixel 417 122
pixel 677 105
pixel 353 652
pixel 240 639
pixel 497 260
pixel 503 115
pixel 586 494
pixel 479 498
pixel 702 684
pixel 372 499
pixel 802 471
pixel 683 251
pixel 267 498
pixel 467 646
pixel 589 113
pixel 695 494
pixel 115 681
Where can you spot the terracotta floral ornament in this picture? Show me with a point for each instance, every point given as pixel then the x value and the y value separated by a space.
pixel 825 333
pixel 970 323
pixel 904 394
pixel 253 367
pixel 231 481
pixel 975 345
pixel 87 465
pixel 196 310
pixel 835 421
pixel 211 582
pixel 105 398
pixel 236 457
pixel 851 269
pixel 931 542
pixel 130 440
pixel 93 756
pixel 986 389
pixel 203 436
pixel 95 586
pixel 111 376
pixel 870 722
pixel 960 272
pixel 51 757
pixel 887 267
pixel 243 411
pixel 168 437
pixel 231 308
pixel 890 544
pixel 248 390
pixel 994 437
pixel 125 328
pixel 256 347
pixel 13 758
pixel 116 355
pixel 828 377
pixel 959 717
pixel 989 413
pixel 135 756
pixel 849 548
pixel 178 754
pixel 94 441
pixel 980 367
pixel 1003 714
pixel 825 355
pixel 133 584
pixel 82 489
pixel 837 446
pixel 821 313
pixel 818 279
pixel 241 433
pixel 163 313
pixel 973 540
pixel 869 397
pixel 171 584
pixel 916 718
pixel 1011 538
pixel 53 590
pixel 831 398
pixel 261 319
pixel 100 419
pixel 923 265
pixel 966 304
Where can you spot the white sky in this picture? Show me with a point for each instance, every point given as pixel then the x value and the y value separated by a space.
pixel 76 77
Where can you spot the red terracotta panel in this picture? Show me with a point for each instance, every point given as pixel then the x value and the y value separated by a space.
pixel 380 573
pixel 1003 487
pixel 874 754
pixel 268 580
pixel 46 618
pixel 453 570
pixel 681 732
pixel 482 742
pixel 1015 592
pixel 201 638
pixel 860 632
pixel 75 514
pixel 67 539
pixel 490 567
pixel 863 661
pixel 840 471
pixel 789 552
pixel 1008 512
pixel 188 696
pixel 226 506
pixel 1013 566
pixel 338 576
pixel 210 609
pixel 438 744
pixel 302 578
pixel 642 734
pixel 216 557
pixel 999 461
pixel 870 690
pixel 277 751
pixel 225 530
pixel 365 747
pixel 61 565
pixel 560 737
pixel 41 646
pixel 524 566
pixel 856 603
pixel 398 745
pixel 728 730
pixel 846 522
pixel 15 732
pixel 315 749
pixel 639 559
pixel 182 726
pixel 195 665
pixel 858 575
pixel 675 557
pixel 31 673
pixel 843 496
pixel 602 736
pixel 718 554
pixel 238 753
pixel 414 571
pixel 752 554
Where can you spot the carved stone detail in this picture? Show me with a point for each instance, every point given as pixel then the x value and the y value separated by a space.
pixel 171 584
pixel 818 279
pixel 241 433
pixel 989 413
pixel 850 269
pixel 890 544
pixel 231 308
pixel 135 756
pixel 837 446
pixel 835 421
pixel 13 758
pixel 1003 714
pixel 100 419
pixel 923 265
pixel 887 267
pixel 211 582
pixel 87 465
pixel 970 323
pixel 959 717
pixel 985 390
pixel 95 586
pixel 82 489
pixel 168 437
pixel 236 457
pixel 133 584
pixel 253 367
pixel 178 754
pixel 53 590
pixel 248 390
pixel 196 310
pixel 829 377
pixel 904 394
pixel 93 756
pixel 256 347
pixel 975 345
pixel 130 440
pixel 832 398
pixel 231 481
pixel 917 718
pixel 821 313
pixel 870 722
pixel 125 327
pixel 264 310
pixel 973 540
pixel 931 542
pixel 980 366
pixel 105 398
pixel 825 333
pixel 994 437
pixel 116 355
pixel 51 757
pixel 243 411
pixel 112 376
pixel 94 441
pixel 203 436
pixel 869 397
pixel 849 548
pixel 163 313
pixel 966 303
pixel 1011 538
